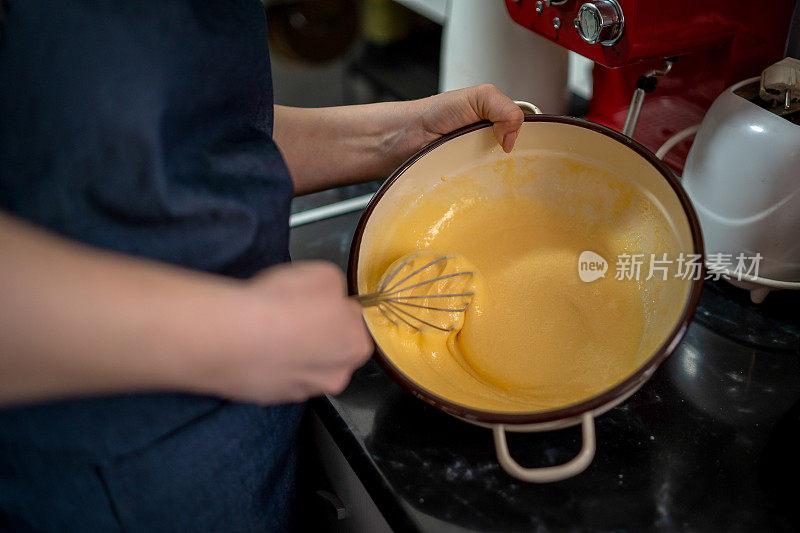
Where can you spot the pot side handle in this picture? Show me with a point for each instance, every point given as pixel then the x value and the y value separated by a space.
pixel 547 474
pixel 528 107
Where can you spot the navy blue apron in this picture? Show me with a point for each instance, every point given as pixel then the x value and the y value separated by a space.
pixel 145 127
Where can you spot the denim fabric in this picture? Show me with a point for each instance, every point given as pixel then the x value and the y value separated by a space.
pixel 231 469
pixel 145 127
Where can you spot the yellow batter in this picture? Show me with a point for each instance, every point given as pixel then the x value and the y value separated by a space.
pixel 535 337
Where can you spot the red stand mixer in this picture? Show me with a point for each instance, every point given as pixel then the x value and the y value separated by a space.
pixel 680 54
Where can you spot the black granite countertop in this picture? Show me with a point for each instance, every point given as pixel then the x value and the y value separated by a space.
pixel 709 444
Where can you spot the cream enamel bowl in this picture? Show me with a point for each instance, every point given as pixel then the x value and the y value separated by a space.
pixel 669 306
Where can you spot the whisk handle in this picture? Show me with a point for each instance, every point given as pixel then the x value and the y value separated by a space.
pixel 368 300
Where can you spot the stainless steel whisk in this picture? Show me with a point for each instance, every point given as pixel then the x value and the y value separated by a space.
pixel 393 299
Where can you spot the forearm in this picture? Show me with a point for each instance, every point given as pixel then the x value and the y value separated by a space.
pixel 79 321
pixel 330 147
pixel 336 146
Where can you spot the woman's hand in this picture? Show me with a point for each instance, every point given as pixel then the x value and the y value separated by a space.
pixel 336 146
pixel 78 321
pixel 299 336
pixel 446 112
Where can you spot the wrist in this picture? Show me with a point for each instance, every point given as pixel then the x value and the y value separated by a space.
pixel 401 134
pixel 200 334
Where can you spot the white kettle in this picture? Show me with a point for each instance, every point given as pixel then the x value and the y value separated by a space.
pixel 743 176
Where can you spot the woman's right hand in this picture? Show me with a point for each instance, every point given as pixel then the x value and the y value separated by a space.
pixel 118 324
pixel 298 335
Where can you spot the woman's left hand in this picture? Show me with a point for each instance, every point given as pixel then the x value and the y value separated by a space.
pixel 446 112
pixel 336 146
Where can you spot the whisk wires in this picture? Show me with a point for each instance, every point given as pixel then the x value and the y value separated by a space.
pixel 394 300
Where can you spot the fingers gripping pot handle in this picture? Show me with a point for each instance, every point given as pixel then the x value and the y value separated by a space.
pixel 547 474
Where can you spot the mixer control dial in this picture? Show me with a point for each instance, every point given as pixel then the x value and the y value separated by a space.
pixel 600 21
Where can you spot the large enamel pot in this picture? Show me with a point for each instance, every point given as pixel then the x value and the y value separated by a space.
pixel 475 143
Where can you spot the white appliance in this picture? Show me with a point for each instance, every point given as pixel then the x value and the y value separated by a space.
pixel 481 44
pixel 743 176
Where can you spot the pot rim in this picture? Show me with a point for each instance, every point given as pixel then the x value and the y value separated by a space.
pixel 626 386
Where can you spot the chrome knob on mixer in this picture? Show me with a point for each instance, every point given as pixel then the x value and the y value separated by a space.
pixel 600 21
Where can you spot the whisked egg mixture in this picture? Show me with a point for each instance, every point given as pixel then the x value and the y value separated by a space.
pixel 535 336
